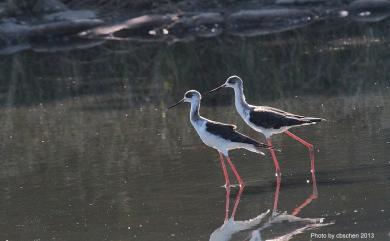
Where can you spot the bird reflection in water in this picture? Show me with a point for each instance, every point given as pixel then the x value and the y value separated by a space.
pixel 275 226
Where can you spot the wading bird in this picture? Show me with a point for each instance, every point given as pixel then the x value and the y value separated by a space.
pixel 222 137
pixel 269 121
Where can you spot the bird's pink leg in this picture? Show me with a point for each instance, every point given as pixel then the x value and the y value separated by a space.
pixel 240 181
pixel 241 184
pixel 237 201
pixel 312 167
pixel 276 163
pixel 277 174
pixel 314 195
pixel 227 186
pixel 298 209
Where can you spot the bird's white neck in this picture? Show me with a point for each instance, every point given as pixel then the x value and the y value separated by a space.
pixel 194 112
pixel 239 99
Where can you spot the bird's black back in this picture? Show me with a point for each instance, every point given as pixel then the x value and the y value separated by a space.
pixel 271 118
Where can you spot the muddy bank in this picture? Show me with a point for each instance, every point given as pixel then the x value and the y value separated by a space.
pixel 51 21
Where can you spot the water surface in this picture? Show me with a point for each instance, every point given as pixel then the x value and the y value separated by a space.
pixel 89 151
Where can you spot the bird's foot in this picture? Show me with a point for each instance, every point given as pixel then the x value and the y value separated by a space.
pixel 227 186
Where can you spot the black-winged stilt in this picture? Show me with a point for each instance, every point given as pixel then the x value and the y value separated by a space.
pixel 270 121
pixel 222 137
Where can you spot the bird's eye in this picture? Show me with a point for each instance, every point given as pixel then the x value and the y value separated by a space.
pixel 188 95
pixel 231 81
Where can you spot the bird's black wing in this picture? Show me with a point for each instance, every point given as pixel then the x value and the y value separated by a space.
pixel 268 117
pixel 228 132
pixel 282 112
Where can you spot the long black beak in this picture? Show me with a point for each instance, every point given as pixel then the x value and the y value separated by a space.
pixel 219 87
pixel 181 101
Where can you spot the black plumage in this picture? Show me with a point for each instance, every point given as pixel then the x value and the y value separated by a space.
pixel 272 118
pixel 229 132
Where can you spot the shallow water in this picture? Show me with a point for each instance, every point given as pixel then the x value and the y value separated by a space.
pixel 89 151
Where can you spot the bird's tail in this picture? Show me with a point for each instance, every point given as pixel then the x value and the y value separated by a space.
pixel 261 146
pixel 265 146
pixel 313 119
pixel 254 146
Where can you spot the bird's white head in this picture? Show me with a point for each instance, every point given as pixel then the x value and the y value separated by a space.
pixel 189 96
pixel 192 95
pixel 234 82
